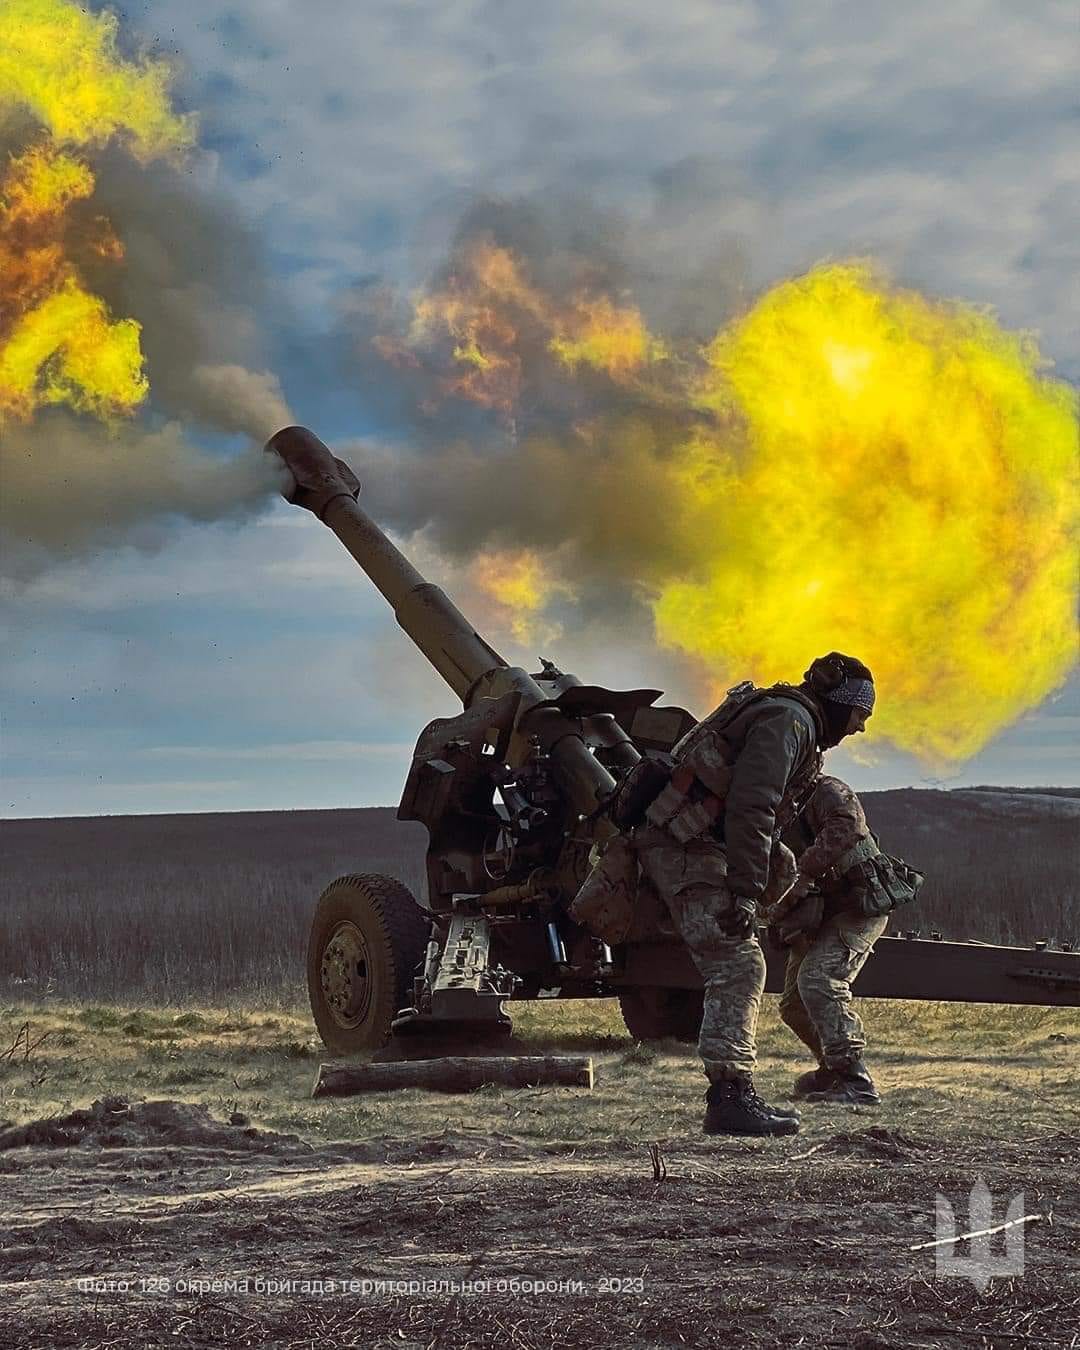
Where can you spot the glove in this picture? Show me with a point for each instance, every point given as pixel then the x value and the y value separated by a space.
pixel 790 900
pixel 803 920
pixel 738 921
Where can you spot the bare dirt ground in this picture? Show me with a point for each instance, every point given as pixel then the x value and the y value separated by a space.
pixel 441 1216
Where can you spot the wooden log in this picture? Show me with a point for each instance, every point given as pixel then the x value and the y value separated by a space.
pixel 457 1074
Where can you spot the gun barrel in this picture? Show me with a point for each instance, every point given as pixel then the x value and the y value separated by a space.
pixel 329 488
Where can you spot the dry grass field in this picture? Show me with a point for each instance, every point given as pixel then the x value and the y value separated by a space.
pixel 801 1241
pixel 166 1178
pixel 174 908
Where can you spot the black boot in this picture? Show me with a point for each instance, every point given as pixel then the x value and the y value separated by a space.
pixel 733 1107
pixel 816 1080
pixel 849 1083
pixel 784 1112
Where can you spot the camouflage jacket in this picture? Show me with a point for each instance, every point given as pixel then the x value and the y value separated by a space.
pixel 761 763
pixel 831 823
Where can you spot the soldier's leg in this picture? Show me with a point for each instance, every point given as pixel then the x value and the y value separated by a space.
pixel 732 970
pixel 693 883
pixel 792 1009
pixel 837 954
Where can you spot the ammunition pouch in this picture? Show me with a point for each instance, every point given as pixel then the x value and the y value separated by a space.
pixel 691 804
pixel 692 801
pixel 859 852
pixel 605 903
pixel 639 789
pixel 685 808
pixel 881 883
pixel 618 902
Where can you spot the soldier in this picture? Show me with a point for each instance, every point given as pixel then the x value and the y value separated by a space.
pixel 740 777
pixel 828 941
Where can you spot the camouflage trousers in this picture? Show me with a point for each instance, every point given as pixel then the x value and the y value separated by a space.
pixel 816 1003
pixel 692 881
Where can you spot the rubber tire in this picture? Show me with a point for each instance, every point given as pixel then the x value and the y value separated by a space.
pixel 396 931
pixel 653 1013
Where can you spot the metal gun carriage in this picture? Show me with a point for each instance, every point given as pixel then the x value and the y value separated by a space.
pixel 513 791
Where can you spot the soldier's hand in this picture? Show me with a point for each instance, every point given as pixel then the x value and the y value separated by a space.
pixel 804 920
pixel 791 900
pixel 739 919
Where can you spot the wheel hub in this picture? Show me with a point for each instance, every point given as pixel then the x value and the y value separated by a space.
pixel 345 974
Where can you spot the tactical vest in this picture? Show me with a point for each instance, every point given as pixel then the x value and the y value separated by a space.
pixel 693 800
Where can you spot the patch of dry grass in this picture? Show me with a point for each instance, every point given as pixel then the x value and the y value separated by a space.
pixel 945 1069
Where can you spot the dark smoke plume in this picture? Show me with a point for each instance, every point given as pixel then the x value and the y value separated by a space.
pixel 583 464
pixel 71 486
pixel 194 280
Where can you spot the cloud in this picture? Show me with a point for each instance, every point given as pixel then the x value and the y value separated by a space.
pixel 191 279
pixel 194 276
pixel 941 138
pixel 303 693
pixel 749 138
pixel 287 752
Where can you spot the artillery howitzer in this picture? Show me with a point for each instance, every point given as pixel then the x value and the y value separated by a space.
pixel 512 792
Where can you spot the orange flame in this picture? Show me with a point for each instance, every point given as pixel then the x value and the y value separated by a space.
pixel 482 332
pixel 519 586
pixel 58 342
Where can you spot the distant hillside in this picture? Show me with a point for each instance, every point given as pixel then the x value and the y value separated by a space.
pixel 369 838
pixel 967 808
pixel 919 823
pixel 1002 864
pixel 153 903
pixel 934 826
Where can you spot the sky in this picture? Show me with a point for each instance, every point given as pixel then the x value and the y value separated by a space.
pixel 245 663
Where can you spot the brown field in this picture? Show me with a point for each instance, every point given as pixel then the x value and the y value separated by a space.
pixel 169 908
pixel 152 965
pixel 802 1241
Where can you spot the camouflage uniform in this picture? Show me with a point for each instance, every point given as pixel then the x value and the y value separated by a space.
pixel 755 765
pixel 692 879
pixel 816 1002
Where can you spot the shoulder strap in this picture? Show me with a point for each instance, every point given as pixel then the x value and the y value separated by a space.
pixel 790 693
pixel 737 698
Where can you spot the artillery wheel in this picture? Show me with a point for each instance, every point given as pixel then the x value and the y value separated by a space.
pixel 652 1012
pixel 368 936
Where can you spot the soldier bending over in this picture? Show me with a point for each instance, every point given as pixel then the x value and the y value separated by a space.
pixel 828 940
pixel 740 777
